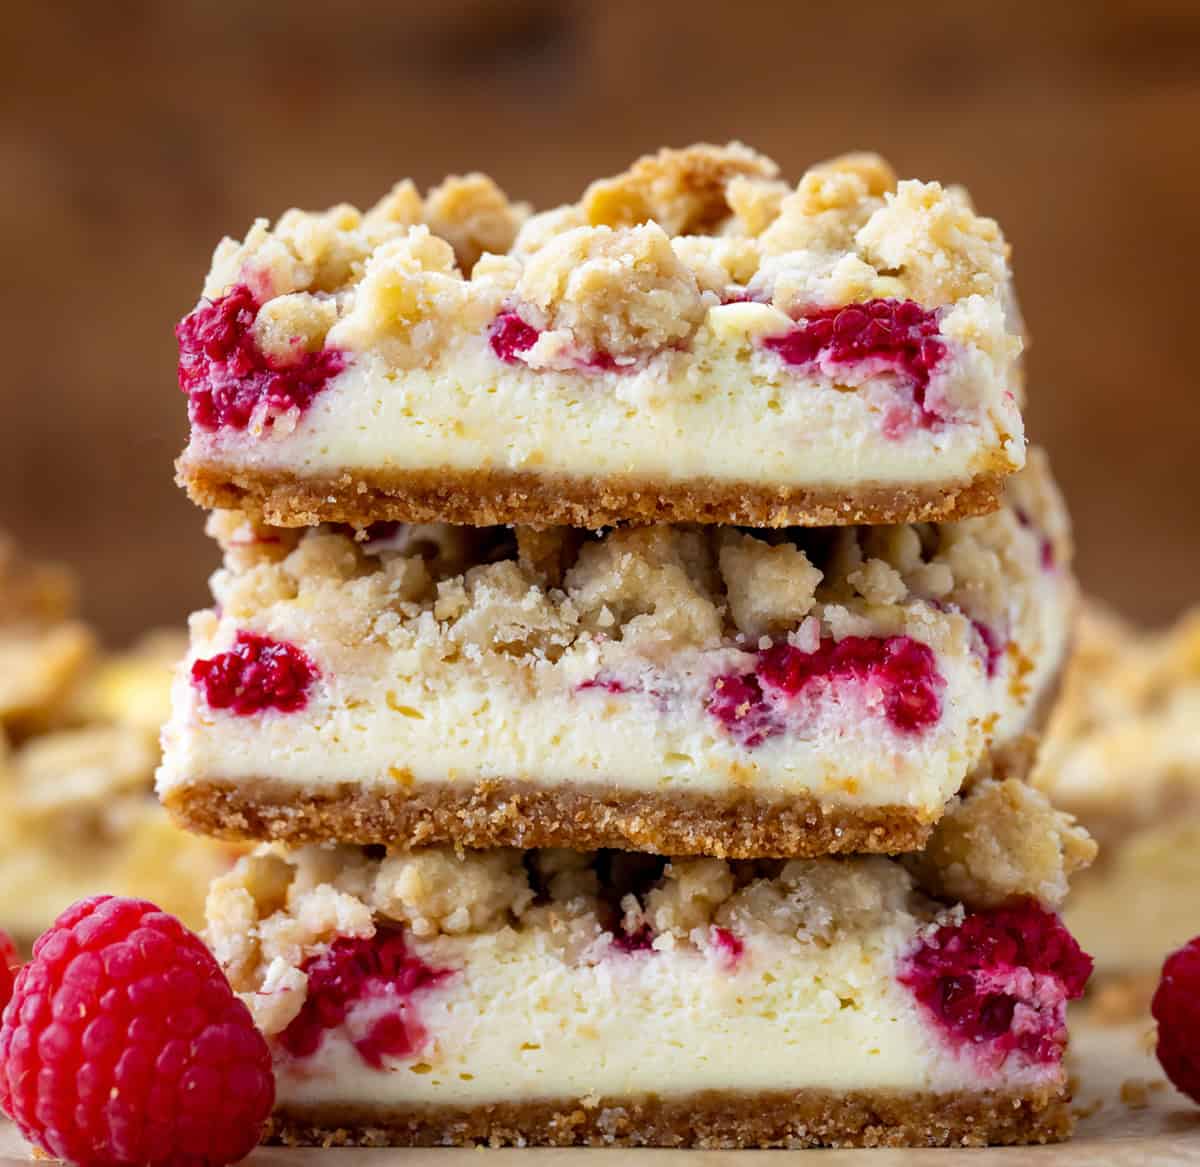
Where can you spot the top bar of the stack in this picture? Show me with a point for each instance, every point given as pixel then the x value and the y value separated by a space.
pixel 693 341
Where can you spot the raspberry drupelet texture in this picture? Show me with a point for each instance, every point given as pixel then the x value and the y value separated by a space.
pixel 898 336
pixel 1176 1008
pixel 258 673
pixel 998 982
pixel 228 378
pixel 510 336
pixel 9 961
pixel 754 706
pixel 355 970
pixel 124 1044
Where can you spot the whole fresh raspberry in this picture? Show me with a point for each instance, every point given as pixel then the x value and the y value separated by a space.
pixel 1176 1008
pixel 124 1044
pixel 9 960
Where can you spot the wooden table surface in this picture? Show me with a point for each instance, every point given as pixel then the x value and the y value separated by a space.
pixel 1165 1132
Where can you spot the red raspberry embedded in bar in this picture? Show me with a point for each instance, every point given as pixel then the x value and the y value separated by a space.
pixel 356 969
pixel 227 377
pixel 905 670
pixel 258 673
pixel 900 334
pixel 999 981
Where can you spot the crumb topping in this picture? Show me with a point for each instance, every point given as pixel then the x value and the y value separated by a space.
pixel 277 908
pixel 651 589
pixel 1000 839
pixel 631 270
pixel 597 292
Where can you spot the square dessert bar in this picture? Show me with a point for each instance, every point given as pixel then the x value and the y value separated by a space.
pixel 693 341
pixel 677 690
pixel 1123 752
pixel 434 997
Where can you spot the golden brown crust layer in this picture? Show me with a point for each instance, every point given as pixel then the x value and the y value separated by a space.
pixel 710 1119
pixel 487 497
pixel 518 814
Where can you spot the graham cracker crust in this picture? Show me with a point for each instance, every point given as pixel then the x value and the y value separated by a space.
pixel 503 813
pixel 710 1119
pixel 483 498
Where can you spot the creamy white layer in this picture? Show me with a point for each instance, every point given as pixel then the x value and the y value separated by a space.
pixel 518 1023
pixel 379 718
pixel 725 410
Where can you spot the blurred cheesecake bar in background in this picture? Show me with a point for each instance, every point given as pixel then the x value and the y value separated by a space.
pixel 694 340
pixel 437 996
pixel 77 814
pixel 1123 754
pixel 671 689
pixel 44 648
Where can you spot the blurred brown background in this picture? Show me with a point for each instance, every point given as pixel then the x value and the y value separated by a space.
pixel 134 135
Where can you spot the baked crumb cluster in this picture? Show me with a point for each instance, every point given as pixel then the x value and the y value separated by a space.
pixel 999 839
pixel 631 269
pixel 538 592
pixel 1120 748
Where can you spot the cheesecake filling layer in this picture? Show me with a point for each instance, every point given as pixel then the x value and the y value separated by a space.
pixel 671 420
pixel 423 978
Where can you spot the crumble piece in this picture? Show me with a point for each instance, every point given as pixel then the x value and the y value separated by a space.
pixel 473 215
pixel 942 249
pixel 411 293
pixel 641 581
pixel 684 191
pixel 816 899
pixel 622 293
pixel 1003 839
pixel 769 588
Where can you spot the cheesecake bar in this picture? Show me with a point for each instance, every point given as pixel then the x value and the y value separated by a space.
pixel 1123 753
pixel 678 690
pixel 694 340
pixel 44 648
pixel 434 997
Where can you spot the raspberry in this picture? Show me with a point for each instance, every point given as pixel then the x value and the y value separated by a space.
pixel 999 981
pixel 729 945
pixel 640 940
pixel 511 336
pixel 885 335
pixel 257 673
pixel 1176 1008
pixel 904 670
pixel 355 969
pixel 993 646
pixel 9 961
pixel 124 1044
pixel 226 376
pixel 739 704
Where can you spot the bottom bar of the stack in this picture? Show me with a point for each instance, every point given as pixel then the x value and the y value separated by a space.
pixel 562 998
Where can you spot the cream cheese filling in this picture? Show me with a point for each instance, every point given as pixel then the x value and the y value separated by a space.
pixel 374 721
pixel 517 1022
pixel 722 411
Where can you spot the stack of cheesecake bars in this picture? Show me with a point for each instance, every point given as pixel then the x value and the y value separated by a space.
pixel 634 624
